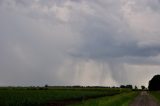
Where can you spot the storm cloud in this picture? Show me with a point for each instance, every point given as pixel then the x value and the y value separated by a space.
pixel 79 42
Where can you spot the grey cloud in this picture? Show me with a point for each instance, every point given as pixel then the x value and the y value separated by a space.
pixel 100 49
pixel 24 2
pixel 144 5
pixel 154 5
pixel 30 52
pixel 48 3
pixel 112 38
pixel 1 1
pixel 37 48
pixel 113 41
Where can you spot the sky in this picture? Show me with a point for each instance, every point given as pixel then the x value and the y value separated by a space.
pixel 79 42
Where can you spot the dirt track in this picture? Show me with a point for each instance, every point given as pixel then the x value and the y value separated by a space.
pixel 144 99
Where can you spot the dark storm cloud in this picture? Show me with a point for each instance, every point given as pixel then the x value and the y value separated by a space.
pixel 109 36
pixel 103 42
pixel 113 38
pixel 109 49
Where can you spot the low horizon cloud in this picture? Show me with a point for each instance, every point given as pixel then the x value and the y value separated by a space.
pixel 79 42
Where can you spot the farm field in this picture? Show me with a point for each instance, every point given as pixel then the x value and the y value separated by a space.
pixel 117 100
pixel 53 96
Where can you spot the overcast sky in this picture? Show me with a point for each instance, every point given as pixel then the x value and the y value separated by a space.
pixel 79 42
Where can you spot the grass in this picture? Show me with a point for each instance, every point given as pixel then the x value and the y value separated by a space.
pixel 117 100
pixel 156 94
pixel 39 97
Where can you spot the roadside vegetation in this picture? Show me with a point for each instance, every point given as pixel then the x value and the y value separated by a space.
pixel 156 94
pixel 154 87
pixel 117 100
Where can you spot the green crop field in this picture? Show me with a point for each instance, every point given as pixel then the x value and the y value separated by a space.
pixel 117 100
pixel 40 97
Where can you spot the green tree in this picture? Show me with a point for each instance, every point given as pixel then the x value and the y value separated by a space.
pixel 143 87
pixel 154 83
pixel 136 88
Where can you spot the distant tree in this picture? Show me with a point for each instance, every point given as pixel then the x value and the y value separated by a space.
pixel 135 87
pixel 154 83
pixel 143 87
pixel 46 86
pixel 129 86
pixel 122 86
pixel 126 86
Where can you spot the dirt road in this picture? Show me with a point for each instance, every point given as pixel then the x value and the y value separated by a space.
pixel 144 99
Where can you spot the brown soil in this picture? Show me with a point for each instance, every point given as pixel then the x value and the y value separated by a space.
pixel 144 99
